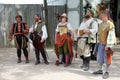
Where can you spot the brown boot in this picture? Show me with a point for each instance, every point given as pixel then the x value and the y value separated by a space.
pixel 57 63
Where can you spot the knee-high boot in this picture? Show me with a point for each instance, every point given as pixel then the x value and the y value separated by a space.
pixel 44 56
pixel 83 64
pixel 37 56
pixel 66 60
pixel 87 63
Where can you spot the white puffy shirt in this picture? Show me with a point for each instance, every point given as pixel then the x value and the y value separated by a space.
pixel 44 30
pixel 86 24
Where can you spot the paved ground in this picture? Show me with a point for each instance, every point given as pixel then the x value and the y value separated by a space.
pixel 10 70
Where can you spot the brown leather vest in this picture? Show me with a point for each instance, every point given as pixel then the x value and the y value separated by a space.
pixel 39 27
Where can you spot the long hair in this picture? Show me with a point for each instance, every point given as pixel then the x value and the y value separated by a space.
pixel 106 12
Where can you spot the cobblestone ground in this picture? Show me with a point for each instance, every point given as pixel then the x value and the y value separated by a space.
pixel 11 70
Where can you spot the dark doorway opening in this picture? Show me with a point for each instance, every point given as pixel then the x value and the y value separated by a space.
pixel 113 7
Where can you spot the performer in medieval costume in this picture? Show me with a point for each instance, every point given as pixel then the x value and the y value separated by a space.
pixel 19 30
pixel 38 35
pixel 64 41
pixel 86 35
pixel 106 36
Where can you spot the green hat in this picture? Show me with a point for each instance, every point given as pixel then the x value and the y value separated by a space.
pixel 91 11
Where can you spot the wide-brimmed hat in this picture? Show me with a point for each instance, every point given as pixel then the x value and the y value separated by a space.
pixel 64 15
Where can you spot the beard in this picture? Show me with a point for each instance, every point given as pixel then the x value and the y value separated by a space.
pixel 36 20
pixel 87 16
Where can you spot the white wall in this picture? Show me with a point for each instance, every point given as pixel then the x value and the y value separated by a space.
pixel 56 2
pixel 74 15
pixel 21 1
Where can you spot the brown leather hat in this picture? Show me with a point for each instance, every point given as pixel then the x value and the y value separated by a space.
pixel 64 15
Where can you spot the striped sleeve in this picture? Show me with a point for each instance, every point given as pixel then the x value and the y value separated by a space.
pixel 12 29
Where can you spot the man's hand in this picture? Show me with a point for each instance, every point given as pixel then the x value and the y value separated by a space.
pixel 76 31
pixel 42 40
pixel 106 48
pixel 10 38
pixel 86 31
pixel 24 31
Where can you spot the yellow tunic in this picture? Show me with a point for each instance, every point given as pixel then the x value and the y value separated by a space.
pixel 103 31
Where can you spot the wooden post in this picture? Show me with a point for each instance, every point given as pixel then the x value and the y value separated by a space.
pixel 46 12
pixel 46 21
pixel 4 30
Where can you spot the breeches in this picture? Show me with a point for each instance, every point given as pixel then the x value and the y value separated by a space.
pixel 63 49
pixel 101 55
pixel 83 49
pixel 20 41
